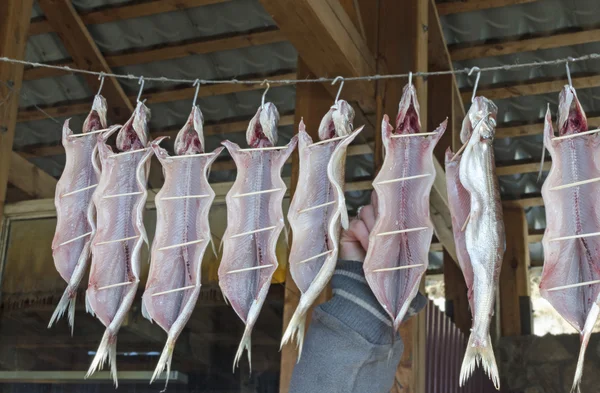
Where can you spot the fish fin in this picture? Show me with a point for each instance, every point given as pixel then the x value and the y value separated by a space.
pixel 88 305
pixel 145 312
pixel 107 349
pixel 476 354
pixel 212 244
pixel 295 329
pixel 66 303
pixel 585 338
pixel 286 233
pixel 164 362
pixel 244 344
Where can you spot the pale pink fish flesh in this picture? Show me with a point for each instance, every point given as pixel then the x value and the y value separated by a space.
pixel 402 205
pixel 484 236
pixel 572 211
pixel 179 221
pixel 256 171
pixel 75 211
pixel 118 217
pixel 315 232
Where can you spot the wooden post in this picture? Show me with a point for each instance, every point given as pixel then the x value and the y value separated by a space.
pixel 14 24
pixel 312 102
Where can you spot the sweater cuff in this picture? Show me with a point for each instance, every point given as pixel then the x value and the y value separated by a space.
pixel 354 304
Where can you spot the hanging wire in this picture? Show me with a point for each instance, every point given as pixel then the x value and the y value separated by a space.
pixel 478 70
pixel 262 101
pixel 569 71
pixel 140 82
pixel 337 96
pixel 197 84
pixel 410 75
pixel 101 79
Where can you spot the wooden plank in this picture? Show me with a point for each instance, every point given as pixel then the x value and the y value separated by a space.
pixel 29 178
pixel 457 301
pixel 66 109
pixel 124 12
pixel 518 168
pixel 524 202
pixel 85 53
pixel 534 128
pixel 519 45
pixel 456 7
pixel 14 23
pixel 171 51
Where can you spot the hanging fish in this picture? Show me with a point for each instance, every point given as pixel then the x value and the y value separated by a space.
pixel 182 234
pixel 317 210
pixel 75 221
pixel 254 220
pixel 119 200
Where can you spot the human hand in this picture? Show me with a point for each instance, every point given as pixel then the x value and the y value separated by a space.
pixel 354 241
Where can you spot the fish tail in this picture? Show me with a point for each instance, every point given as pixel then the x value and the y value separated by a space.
pixel 66 303
pixel 585 339
pixel 295 329
pixel 164 362
pixel 88 306
pixel 106 350
pixel 244 344
pixel 477 354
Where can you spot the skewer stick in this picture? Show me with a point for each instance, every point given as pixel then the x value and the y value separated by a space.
pixel 556 239
pixel 257 192
pixel 581 284
pixel 390 269
pixel 264 148
pixel 402 231
pixel 249 269
pixel 462 229
pixel 75 239
pixel 128 152
pixel 403 179
pixel 118 240
pixel 254 231
pixel 173 290
pixel 315 257
pixel 120 195
pixel 415 134
pixel 181 244
pixel 191 156
pixel 115 285
pixel 184 197
pixel 459 151
pixel 337 138
pixel 80 190
pixel 316 207
pixel 575 184
pixel 89 133
pixel 558 138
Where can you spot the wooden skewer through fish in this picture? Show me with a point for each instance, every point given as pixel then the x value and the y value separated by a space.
pixel 254 231
pixel 575 184
pixel 80 190
pixel 402 231
pixel 128 152
pixel 558 138
pixel 556 239
pixel 264 148
pixel 317 206
pixel 581 284
pixel 256 192
pixel 184 197
pixel 249 269
pixel 89 133
pixel 173 290
pixel 464 226
pixel 315 257
pixel 415 134
pixel 403 178
pixel 120 195
pixel 75 239
pixel 459 151
pixel 390 269
pixel 115 285
pixel 337 138
pixel 191 156
pixel 118 240
pixel 182 244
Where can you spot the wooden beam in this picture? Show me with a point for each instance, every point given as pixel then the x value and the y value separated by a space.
pixel 534 128
pixel 516 167
pixel 30 178
pixel 456 7
pixel 510 46
pixel 123 12
pixel 14 23
pixel 171 51
pixel 524 202
pixel 85 53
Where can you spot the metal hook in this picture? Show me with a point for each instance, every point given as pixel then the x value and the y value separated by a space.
pixel 338 78
pixel 410 74
pixel 101 79
pixel 197 84
pixel 569 72
pixel 478 70
pixel 262 102
pixel 140 82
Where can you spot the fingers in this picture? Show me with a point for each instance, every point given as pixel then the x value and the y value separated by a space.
pixel 367 215
pixel 358 229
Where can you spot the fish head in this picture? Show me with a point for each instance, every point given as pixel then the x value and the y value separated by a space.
pixel 96 119
pixel 408 120
pixel 134 134
pixel 480 118
pixel 190 139
pixel 571 117
pixel 262 130
pixel 337 121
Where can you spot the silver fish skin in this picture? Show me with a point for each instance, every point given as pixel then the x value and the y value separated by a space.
pixel 315 232
pixel 119 217
pixel 75 211
pixel 395 263
pixel 484 232
pixel 572 211
pixel 179 221
pixel 256 171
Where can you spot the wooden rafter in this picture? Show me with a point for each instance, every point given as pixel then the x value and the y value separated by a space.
pixel 29 178
pixel 456 7
pixel 534 128
pixel 123 12
pixel 518 167
pixel 171 51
